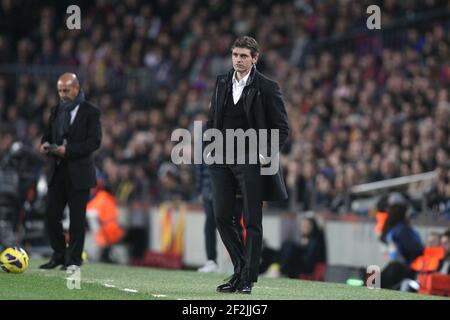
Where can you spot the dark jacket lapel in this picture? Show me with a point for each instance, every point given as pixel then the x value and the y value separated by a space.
pixel 80 114
pixel 249 94
pixel 248 101
pixel 221 94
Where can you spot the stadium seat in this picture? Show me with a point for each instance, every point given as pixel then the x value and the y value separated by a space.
pixel 159 260
pixel 434 283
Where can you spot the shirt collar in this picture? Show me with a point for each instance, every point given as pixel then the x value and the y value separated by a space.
pixel 243 81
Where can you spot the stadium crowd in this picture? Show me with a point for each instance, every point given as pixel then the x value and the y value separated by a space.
pixel 356 116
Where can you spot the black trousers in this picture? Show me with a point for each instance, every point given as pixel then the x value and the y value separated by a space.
pixel 393 274
pixel 60 193
pixel 137 238
pixel 211 227
pixel 210 230
pixel 226 181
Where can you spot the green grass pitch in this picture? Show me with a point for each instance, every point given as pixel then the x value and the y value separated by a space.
pixel 103 281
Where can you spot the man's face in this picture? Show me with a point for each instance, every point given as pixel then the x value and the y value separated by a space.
pixel 433 241
pixel 242 59
pixel 67 91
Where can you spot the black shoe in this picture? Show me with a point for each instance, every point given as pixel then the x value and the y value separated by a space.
pixel 231 285
pixel 53 263
pixel 245 287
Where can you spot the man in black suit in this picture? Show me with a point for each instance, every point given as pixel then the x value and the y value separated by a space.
pixel 245 99
pixel 72 135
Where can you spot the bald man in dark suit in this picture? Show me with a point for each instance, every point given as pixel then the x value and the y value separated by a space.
pixel 72 135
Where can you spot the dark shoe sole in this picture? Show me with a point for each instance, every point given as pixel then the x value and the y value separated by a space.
pixel 49 268
pixel 65 268
pixel 226 291
pixel 244 292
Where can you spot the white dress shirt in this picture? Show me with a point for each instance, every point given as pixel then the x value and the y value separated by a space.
pixel 238 86
pixel 73 114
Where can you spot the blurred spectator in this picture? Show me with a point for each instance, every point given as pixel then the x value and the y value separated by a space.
pixel 438 197
pixel 137 236
pixel 435 259
pixel 294 258
pixel 103 217
pixel 403 243
pixel 444 264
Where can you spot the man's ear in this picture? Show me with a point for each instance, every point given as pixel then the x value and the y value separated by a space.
pixel 255 58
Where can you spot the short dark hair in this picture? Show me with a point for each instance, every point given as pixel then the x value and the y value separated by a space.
pixel 246 42
pixel 446 234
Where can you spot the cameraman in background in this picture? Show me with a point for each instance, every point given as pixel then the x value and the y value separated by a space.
pixel 19 173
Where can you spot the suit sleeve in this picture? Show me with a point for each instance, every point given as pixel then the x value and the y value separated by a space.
pixel 92 143
pixel 277 113
pixel 212 108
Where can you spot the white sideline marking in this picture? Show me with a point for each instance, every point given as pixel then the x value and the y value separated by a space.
pixel 159 295
pixel 130 290
pixel 109 285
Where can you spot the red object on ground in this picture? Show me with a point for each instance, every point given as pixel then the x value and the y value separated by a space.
pixel 317 275
pixel 434 283
pixel 159 260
